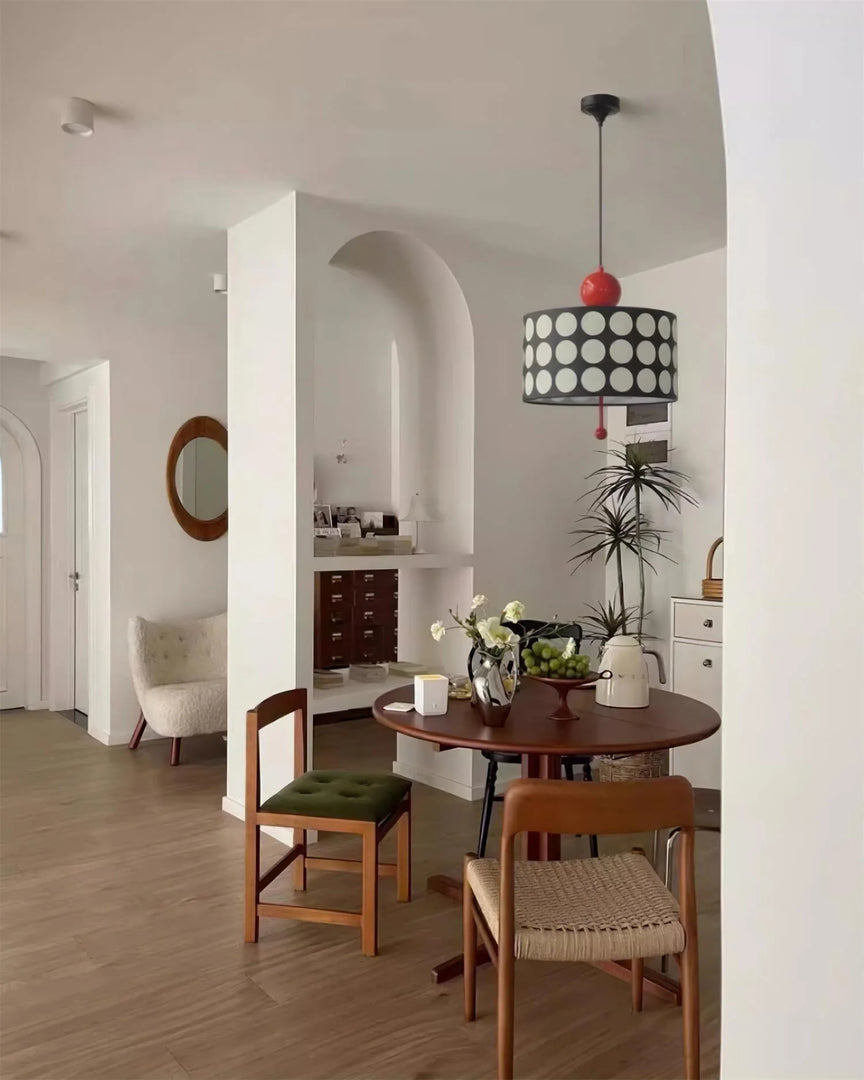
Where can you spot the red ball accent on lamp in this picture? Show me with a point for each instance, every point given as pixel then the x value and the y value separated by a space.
pixel 600 289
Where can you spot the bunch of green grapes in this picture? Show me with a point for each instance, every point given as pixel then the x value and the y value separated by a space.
pixel 544 659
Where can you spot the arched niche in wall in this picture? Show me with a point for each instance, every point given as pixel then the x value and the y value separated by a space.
pixel 394 376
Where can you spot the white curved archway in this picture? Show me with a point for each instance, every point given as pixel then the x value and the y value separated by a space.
pixel 32 461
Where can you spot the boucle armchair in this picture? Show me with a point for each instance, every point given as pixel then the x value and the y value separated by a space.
pixel 179 672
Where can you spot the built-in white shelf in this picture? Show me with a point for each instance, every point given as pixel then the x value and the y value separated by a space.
pixel 357 695
pixel 391 562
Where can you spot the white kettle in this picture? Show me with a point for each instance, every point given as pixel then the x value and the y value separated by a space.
pixel 626 685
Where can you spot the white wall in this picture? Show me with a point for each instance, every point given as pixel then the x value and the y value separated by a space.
pixel 353 387
pixel 695 289
pixel 22 393
pixel 792 94
pixel 176 372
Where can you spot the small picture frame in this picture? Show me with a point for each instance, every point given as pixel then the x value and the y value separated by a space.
pixel 372 519
pixel 343 515
pixel 349 530
pixel 323 516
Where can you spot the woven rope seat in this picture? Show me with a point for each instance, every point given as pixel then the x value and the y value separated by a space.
pixel 611 908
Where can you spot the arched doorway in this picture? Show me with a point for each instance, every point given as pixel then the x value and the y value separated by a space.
pixel 20 565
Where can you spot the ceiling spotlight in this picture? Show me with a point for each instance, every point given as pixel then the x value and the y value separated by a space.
pixel 77 118
pixel 220 283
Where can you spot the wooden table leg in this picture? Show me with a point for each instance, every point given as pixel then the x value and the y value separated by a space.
pixel 542 847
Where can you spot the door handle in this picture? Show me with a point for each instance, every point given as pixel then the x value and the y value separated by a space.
pixel 74 577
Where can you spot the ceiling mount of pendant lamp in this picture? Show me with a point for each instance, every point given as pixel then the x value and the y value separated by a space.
pixel 600 352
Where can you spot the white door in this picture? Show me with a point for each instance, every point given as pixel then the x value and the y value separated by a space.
pixel 13 596
pixel 80 571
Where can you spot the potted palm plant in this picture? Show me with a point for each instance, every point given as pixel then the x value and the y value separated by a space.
pixel 616 528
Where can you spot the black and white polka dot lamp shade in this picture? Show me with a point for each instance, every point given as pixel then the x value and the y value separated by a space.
pixel 573 356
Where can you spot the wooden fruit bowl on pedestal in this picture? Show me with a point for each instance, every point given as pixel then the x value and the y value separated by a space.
pixel 563 688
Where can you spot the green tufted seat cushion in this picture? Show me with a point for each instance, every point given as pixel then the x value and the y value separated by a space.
pixel 332 793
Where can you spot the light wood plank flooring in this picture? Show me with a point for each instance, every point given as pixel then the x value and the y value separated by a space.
pixel 122 952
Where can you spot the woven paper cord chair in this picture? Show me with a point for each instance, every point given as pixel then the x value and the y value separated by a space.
pixel 611 908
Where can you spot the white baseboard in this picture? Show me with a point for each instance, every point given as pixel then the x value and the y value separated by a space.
pixel 231 806
pixel 442 783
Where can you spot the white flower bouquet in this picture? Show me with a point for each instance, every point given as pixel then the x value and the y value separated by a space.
pixel 489 632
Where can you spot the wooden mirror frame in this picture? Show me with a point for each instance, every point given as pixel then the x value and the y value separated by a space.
pixel 199 427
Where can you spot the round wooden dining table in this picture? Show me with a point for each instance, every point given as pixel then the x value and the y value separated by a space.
pixel 668 720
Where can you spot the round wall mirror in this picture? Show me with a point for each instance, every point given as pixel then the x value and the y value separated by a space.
pixel 197 477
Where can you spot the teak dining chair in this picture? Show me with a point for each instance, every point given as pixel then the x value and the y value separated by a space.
pixel 611 908
pixel 366 804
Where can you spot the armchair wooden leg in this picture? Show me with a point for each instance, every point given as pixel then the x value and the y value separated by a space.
pixel 403 856
pixel 506 975
pixel 138 732
pixel 369 917
pixel 637 972
pixel 300 861
pixel 689 964
pixel 252 874
pixel 469 951
pixel 175 751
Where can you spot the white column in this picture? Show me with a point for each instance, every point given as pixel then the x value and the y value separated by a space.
pixel 269 410
pixel 792 95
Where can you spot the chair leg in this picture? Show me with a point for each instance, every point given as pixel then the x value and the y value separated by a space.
pixel 568 770
pixel 469 950
pixel 667 880
pixel 403 856
pixel 689 964
pixel 138 732
pixel 369 916
pixel 506 975
pixel 300 861
pixel 655 849
pixel 488 804
pixel 175 751
pixel 252 875
pixel 588 777
pixel 637 973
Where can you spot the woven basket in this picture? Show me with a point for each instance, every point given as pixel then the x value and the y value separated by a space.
pixel 647 766
pixel 712 587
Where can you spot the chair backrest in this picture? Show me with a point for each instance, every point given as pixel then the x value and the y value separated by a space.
pixel 179 651
pixel 266 712
pixel 627 806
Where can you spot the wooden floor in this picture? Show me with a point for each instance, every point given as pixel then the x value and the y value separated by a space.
pixel 122 953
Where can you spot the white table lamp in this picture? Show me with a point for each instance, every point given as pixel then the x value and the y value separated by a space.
pixel 417 513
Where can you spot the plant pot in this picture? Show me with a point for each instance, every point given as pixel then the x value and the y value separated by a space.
pixel 493 683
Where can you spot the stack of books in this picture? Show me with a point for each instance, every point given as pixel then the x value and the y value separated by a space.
pixel 368 672
pixel 322 679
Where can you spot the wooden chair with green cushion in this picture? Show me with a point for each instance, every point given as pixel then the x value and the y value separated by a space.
pixel 368 805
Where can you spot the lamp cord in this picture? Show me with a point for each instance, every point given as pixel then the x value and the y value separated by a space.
pixel 600 193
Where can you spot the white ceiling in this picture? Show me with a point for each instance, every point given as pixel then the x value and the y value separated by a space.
pixel 464 112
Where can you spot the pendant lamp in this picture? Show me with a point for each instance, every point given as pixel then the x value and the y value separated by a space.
pixel 600 352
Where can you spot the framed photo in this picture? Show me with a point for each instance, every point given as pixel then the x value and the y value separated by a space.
pixel 323 516
pixel 372 519
pixel 345 515
pixel 350 530
pixel 654 420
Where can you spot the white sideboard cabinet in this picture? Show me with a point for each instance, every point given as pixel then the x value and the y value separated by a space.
pixel 696 670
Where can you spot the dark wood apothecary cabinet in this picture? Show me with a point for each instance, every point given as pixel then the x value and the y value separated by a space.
pixel 355 617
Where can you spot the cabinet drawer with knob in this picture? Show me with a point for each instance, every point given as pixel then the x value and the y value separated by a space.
pixel 697 672
pixel 697 622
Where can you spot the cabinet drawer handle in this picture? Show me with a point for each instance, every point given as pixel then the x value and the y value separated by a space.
pixel 368 633
pixel 336 596
pixel 707 663
pixel 335 577
pixel 709 623
pixel 369 596
pixel 336 635
pixel 368 614
pixel 368 577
